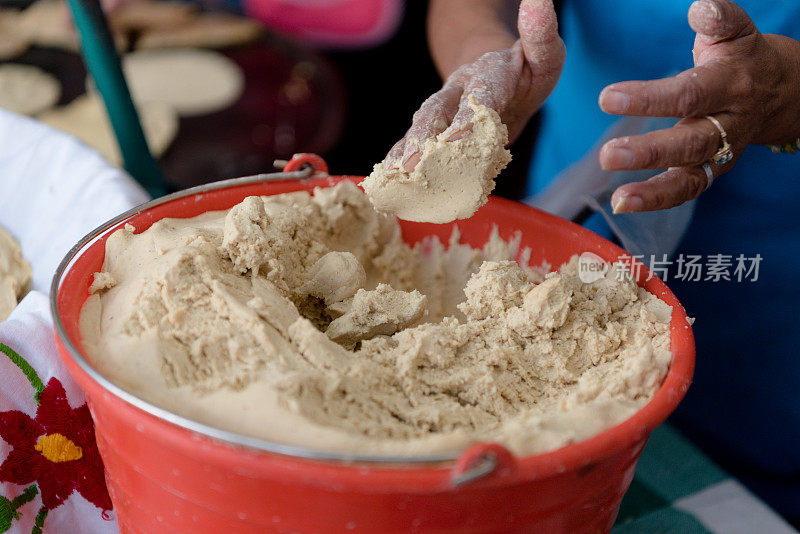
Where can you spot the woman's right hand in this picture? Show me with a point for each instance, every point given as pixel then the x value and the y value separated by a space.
pixel 514 82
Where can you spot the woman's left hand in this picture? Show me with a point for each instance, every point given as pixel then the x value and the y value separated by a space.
pixel 748 81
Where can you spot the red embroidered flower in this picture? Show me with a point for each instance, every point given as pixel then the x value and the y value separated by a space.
pixel 56 449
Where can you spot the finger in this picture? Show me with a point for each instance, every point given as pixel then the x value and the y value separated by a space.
pixel 496 77
pixel 720 20
pixel 432 118
pixel 537 24
pixel 693 93
pixel 544 53
pixel 395 155
pixel 690 142
pixel 666 190
pixel 494 80
pixel 462 123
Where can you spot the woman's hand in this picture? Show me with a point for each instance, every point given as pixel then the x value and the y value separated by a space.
pixel 514 82
pixel 748 81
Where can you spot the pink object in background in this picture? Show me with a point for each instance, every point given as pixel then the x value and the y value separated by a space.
pixel 330 23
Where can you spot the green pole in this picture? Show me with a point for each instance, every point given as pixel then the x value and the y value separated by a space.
pixel 103 63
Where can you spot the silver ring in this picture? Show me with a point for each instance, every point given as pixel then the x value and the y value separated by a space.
pixel 724 154
pixel 709 175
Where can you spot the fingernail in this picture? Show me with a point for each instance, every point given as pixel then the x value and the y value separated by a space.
pixel 628 204
pixel 710 7
pixel 411 161
pixel 461 133
pixel 620 205
pixel 618 158
pixel 615 101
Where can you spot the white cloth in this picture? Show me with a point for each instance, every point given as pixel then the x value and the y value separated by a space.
pixel 53 191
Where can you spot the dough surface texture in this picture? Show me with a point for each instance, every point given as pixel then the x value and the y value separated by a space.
pixel 452 179
pixel 15 274
pixel 232 319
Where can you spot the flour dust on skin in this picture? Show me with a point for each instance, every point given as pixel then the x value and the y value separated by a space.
pixel 307 321
pixel 452 179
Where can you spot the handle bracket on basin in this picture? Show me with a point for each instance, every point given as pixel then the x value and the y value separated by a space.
pixel 303 160
pixel 484 462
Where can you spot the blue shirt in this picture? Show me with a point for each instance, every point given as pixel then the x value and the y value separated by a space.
pixel 744 404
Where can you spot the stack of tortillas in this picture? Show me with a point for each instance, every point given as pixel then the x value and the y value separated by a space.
pixel 86 118
pixel 168 78
pixel 44 23
pixel 178 24
pixel 15 274
pixel 27 90
pixel 189 80
pixel 164 84
pixel 158 24
pixel 13 40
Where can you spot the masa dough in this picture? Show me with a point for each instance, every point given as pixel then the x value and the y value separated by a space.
pixel 15 274
pixel 86 118
pixel 233 318
pixel 452 179
pixel 26 89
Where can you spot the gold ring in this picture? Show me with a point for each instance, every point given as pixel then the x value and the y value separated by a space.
pixel 724 154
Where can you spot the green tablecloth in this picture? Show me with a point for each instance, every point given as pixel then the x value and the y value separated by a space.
pixel 678 489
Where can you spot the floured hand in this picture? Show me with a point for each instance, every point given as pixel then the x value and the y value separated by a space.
pixel 444 167
pixel 514 82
